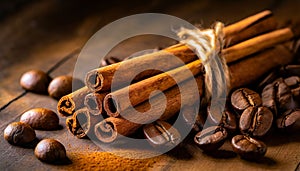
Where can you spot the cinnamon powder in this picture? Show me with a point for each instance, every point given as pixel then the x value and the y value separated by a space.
pixel 109 161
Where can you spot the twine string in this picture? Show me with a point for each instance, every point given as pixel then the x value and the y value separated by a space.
pixel 207 45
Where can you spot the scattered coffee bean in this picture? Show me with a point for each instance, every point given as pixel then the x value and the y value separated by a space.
pixel 50 150
pixel 248 148
pixel 289 121
pixel 192 118
pixel 19 133
pixel 36 81
pixel 62 85
pixel 109 61
pixel 41 118
pixel 161 134
pixel 269 98
pixel 211 138
pixel 225 119
pixel 243 98
pixel 256 121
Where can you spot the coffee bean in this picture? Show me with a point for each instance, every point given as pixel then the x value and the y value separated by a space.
pixel 248 148
pixel 211 138
pixel 269 98
pixel 50 150
pixel 225 119
pixel 256 121
pixel 62 85
pixel 19 133
pixel 289 121
pixel 278 96
pixel 284 95
pixel 243 98
pixel 192 118
pixel 41 118
pixel 161 134
pixel 36 81
pixel 109 61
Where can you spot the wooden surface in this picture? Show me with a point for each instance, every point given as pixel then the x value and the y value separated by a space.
pixel 48 35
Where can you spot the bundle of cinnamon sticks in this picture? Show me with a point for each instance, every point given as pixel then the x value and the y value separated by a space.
pixel 253 46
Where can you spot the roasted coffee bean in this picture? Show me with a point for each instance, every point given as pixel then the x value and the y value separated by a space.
pixel 294 84
pixel 225 119
pixel 36 81
pixel 248 148
pixel 19 133
pixel 284 95
pixel 161 134
pixel 243 98
pixel 277 96
pixel 41 118
pixel 62 85
pixel 269 98
pixel 211 138
pixel 193 118
pixel 256 121
pixel 109 61
pixel 289 121
pixel 50 150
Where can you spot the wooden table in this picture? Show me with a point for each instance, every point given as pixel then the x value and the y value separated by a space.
pixel 48 35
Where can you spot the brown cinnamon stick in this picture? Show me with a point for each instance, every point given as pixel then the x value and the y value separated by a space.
pixel 250 69
pixel 260 26
pixel 257 44
pixel 68 104
pixel 94 101
pixel 101 78
pixel 118 101
pixel 111 128
pixel 82 123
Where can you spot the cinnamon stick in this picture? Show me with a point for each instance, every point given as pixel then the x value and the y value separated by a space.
pixel 257 44
pixel 263 25
pixel 101 78
pixel 250 69
pixel 68 104
pixel 82 123
pixel 118 101
pixel 94 101
pixel 111 128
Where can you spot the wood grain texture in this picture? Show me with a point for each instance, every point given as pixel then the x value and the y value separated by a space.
pixel 43 33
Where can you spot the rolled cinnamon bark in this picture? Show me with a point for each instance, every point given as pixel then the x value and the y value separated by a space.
pixel 117 101
pixel 94 101
pixel 250 69
pixel 68 104
pixel 257 44
pixel 82 123
pixel 101 78
pixel 111 128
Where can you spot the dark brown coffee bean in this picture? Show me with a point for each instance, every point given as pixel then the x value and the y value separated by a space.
pixel 41 118
pixel 19 133
pixel 63 85
pixel 36 81
pixel 161 134
pixel 193 118
pixel 225 119
pixel 50 150
pixel 269 98
pixel 284 95
pixel 256 121
pixel 289 121
pixel 109 61
pixel 211 138
pixel 243 98
pixel 248 148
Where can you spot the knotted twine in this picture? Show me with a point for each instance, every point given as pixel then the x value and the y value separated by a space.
pixel 207 44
